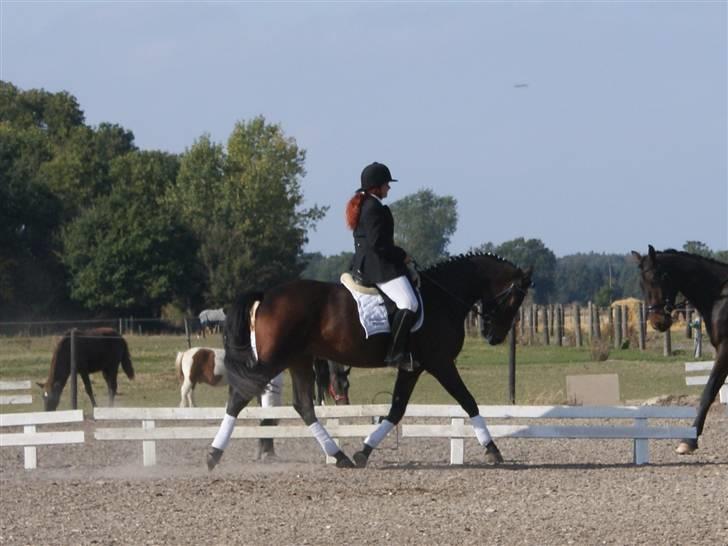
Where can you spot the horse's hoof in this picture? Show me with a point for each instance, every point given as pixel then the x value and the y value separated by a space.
pixel 213 457
pixel 686 447
pixel 493 454
pixel 360 459
pixel 342 461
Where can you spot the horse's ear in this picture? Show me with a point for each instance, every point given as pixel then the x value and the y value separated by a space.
pixel 637 256
pixel 651 252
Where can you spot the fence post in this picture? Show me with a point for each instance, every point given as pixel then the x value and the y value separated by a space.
pixel 667 345
pixel 512 365
pixel 590 315
pixel 535 318
pixel 625 321
pixel 121 329
pixel 552 320
pixel 521 321
pixel 546 339
pixel 641 326
pixel 559 324
pixel 74 371
pixel 617 327
pixel 577 325
pixel 688 331
pixel 531 326
pixel 187 334
pixel 597 322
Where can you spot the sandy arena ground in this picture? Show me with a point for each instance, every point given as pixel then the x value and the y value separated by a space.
pixel 547 492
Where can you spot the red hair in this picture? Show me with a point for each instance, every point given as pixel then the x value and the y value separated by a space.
pixel 353 210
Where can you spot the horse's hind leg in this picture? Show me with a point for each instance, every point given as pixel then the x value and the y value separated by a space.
pixel 303 382
pixel 111 385
pixel 450 379
pixel 403 387
pixel 87 387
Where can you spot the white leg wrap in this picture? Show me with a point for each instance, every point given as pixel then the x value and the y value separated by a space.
pixel 223 435
pixel 481 431
pixel 379 433
pixel 327 442
pixel 273 393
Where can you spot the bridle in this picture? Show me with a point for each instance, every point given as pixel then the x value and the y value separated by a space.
pixel 486 315
pixel 668 304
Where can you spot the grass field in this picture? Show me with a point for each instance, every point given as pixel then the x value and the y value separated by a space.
pixel 540 377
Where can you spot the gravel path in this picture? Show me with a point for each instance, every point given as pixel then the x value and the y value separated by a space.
pixel 547 492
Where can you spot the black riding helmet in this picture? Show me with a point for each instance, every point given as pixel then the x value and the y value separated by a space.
pixel 375 175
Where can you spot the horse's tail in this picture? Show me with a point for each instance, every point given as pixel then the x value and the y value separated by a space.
pixel 178 366
pixel 241 363
pixel 126 360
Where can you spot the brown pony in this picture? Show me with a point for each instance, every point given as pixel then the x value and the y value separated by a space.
pixel 301 319
pixel 704 282
pixel 97 350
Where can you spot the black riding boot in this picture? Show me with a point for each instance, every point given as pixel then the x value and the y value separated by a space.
pixel 399 355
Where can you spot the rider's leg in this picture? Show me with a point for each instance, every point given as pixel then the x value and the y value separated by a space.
pixel 400 291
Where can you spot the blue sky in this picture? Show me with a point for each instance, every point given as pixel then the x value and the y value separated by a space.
pixel 619 139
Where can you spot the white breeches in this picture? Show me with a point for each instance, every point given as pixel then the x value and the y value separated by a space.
pixel 401 293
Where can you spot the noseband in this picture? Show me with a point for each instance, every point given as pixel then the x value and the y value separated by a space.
pixel 668 304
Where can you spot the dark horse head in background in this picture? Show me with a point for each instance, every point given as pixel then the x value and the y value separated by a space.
pixel 97 350
pixel 302 319
pixel 704 282
pixel 332 381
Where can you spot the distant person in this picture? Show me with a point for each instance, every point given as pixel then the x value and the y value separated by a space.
pixel 378 261
pixel 697 325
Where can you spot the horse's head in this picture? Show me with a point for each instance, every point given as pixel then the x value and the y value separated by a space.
pixel 51 394
pixel 339 383
pixel 500 303
pixel 658 289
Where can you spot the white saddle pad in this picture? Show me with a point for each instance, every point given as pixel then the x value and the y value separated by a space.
pixel 373 313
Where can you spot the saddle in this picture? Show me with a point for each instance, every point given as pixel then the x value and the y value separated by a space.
pixel 374 306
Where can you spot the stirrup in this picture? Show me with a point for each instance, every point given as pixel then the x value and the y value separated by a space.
pixel 405 362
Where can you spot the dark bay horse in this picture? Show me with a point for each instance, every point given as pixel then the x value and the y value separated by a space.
pixel 704 282
pixel 97 350
pixel 332 381
pixel 300 319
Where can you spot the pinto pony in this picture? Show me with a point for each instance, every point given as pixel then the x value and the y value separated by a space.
pixel 199 365
pixel 296 321
pixel 704 282
pixel 97 350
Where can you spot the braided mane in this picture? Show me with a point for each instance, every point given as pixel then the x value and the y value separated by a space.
pixel 453 260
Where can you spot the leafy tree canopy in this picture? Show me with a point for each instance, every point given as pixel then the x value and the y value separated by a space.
pixel 424 224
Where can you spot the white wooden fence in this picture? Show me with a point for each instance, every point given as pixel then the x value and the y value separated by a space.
pixel 705 366
pixel 30 438
pixel 15 398
pixel 456 431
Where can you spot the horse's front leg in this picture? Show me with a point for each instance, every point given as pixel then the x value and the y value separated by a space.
pixel 403 387
pixel 303 382
pixel 450 379
pixel 715 381
pixel 87 387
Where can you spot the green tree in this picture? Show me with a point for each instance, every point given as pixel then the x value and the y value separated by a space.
pixel 325 268
pixel 244 205
pixel 128 252
pixel 699 248
pixel 529 252
pixel 424 224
